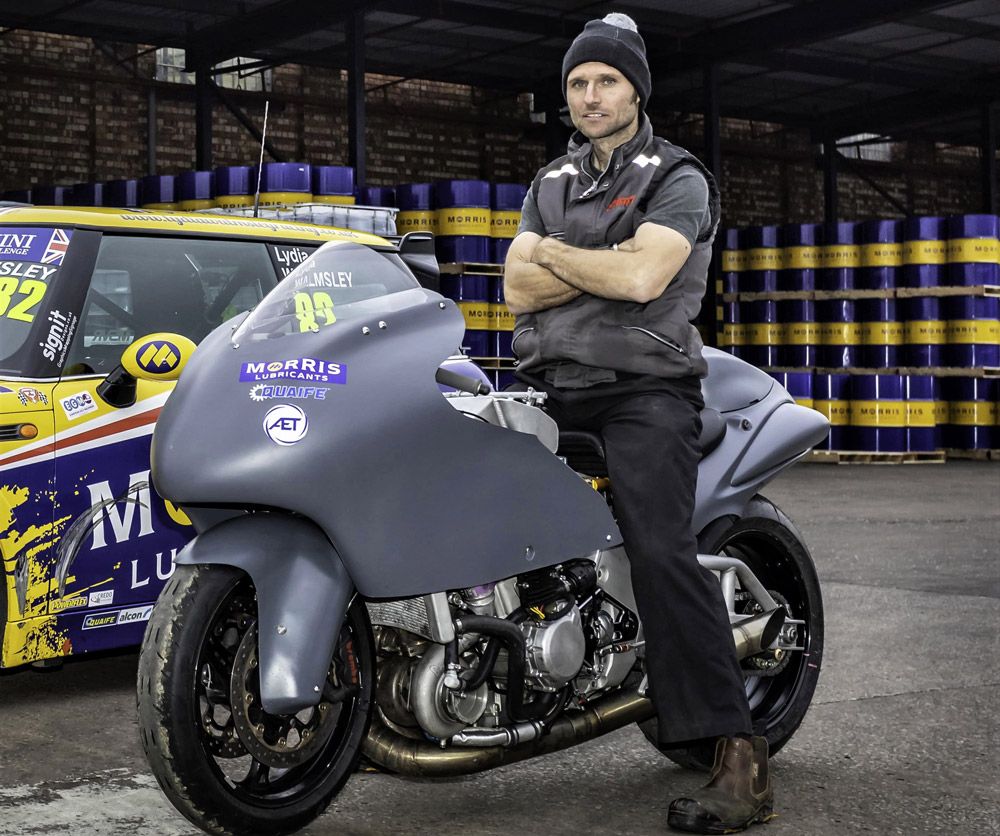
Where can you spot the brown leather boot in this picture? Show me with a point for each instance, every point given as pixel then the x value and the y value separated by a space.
pixel 738 794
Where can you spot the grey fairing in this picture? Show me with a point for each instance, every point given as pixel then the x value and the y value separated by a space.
pixel 766 432
pixel 414 496
pixel 303 590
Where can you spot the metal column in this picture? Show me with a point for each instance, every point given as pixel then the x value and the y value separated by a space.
pixel 356 95
pixel 709 316
pixel 151 131
pixel 991 203
pixel 831 211
pixel 203 118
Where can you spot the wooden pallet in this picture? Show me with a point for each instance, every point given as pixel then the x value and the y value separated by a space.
pixel 459 267
pixel 863 293
pixel 868 457
pixel 975 455
pixel 929 371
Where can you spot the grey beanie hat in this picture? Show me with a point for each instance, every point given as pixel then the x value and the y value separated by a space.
pixel 615 41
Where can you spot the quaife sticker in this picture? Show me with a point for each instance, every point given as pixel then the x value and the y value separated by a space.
pixel 301 368
pixel 271 391
pixel 79 404
pixel 133 615
pixel 286 424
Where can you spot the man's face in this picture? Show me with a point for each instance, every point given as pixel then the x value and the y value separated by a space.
pixel 602 102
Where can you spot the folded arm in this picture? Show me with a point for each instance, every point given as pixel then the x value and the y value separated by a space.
pixel 638 271
pixel 530 287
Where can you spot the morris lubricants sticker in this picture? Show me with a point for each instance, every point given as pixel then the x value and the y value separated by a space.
pixel 301 368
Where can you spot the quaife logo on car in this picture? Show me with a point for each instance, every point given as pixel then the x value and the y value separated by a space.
pixel 133 615
pixel 285 424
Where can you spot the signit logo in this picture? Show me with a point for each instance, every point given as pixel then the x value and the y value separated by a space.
pixel 301 368
pixel 285 424
pixel 158 357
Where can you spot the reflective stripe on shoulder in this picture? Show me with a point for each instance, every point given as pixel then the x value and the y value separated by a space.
pixel 642 160
pixel 568 168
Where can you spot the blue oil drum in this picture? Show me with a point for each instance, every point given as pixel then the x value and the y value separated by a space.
pixel 506 200
pixel 87 194
pixel 972 413
pixel 801 333
pixel 881 333
pixel 734 261
pixel 472 293
pixel 878 413
pixel 924 331
pixel 501 320
pixel 416 208
pixel 839 333
pixel 51 195
pixel 800 256
pixel 798 384
pixel 925 252
pixel 763 259
pixel 122 194
pixel 17 195
pixel 233 187
pixel 195 190
pixel 463 220
pixel 284 184
pixel 881 254
pixel 840 256
pixel 733 338
pixel 973 250
pixel 764 333
pixel 502 378
pixel 922 431
pixel 832 398
pixel 973 331
pixel 333 184
pixel 377 196
pixel 157 191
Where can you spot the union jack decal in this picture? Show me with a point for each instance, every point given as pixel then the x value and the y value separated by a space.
pixel 57 247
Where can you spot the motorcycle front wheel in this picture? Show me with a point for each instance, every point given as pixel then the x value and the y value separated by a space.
pixel 779 692
pixel 226 764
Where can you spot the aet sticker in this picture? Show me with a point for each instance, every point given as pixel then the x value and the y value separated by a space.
pixel 79 404
pixel 286 424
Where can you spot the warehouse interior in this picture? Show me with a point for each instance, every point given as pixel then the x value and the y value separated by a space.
pixel 810 114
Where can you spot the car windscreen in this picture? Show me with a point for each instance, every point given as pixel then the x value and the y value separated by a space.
pixel 339 281
pixel 30 259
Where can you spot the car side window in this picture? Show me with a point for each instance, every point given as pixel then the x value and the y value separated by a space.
pixel 186 286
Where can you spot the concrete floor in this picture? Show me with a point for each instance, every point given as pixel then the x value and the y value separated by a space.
pixel 902 736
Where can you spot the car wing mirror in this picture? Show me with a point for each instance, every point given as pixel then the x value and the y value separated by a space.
pixel 156 357
pixel 417 251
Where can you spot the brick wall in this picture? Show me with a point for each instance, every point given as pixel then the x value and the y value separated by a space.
pixel 73 113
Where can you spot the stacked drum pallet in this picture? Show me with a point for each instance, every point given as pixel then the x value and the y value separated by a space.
pixel 891 328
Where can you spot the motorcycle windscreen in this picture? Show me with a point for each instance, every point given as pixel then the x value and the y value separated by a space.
pixel 323 402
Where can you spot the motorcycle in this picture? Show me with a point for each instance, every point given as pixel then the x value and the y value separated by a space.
pixel 394 561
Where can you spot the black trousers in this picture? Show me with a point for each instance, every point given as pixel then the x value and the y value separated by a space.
pixel 650 428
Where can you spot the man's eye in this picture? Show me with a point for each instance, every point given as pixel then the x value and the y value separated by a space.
pixel 608 82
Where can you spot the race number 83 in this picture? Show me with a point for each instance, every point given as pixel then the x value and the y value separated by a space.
pixel 310 308
pixel 32 290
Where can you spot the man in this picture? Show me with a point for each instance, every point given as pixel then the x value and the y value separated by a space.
pixel 605 275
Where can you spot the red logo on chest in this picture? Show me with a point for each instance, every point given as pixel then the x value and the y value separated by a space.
pixel 621 201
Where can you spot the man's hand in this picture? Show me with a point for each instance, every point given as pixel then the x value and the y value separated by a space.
pixel 529 287
pixel 638 271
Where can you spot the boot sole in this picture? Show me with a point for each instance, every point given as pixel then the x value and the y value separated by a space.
pixel 694 824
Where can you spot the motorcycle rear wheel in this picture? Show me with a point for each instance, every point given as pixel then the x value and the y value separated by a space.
pixel 224 763
pixel 768 542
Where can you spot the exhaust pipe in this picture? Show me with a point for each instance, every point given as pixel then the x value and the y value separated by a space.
pixel 758 633
pixel 423 759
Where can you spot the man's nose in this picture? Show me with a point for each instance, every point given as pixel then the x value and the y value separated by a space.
pixel 592 95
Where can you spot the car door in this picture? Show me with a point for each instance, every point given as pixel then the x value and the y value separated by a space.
pixel 126 534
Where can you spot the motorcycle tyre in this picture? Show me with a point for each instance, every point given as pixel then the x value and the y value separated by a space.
pixel 765 517
pixel 168 726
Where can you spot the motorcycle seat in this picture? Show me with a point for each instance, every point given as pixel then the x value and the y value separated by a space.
pixel 584 451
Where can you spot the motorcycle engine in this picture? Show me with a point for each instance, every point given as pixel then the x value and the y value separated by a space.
pixel 554 629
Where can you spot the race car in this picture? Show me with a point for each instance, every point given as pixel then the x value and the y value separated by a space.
pixel 85 540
